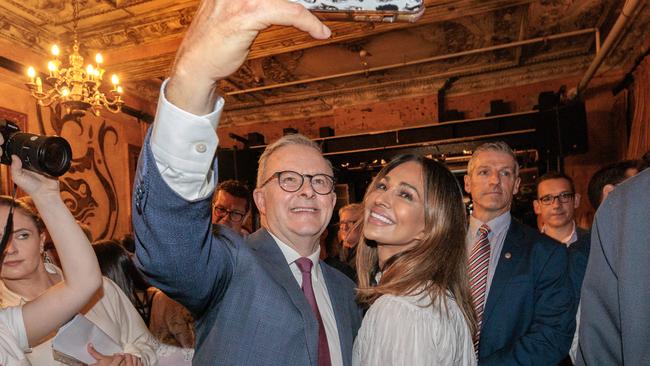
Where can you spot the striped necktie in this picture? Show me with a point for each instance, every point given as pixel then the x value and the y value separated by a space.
pixel 479 262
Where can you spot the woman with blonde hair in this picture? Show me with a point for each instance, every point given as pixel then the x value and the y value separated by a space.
pixel 412 267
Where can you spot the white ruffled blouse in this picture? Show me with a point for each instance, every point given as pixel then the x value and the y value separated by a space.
pixel 13 338
pixel 408 330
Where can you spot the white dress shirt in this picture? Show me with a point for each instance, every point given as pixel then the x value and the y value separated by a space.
pixel 183 146
pixel 570 239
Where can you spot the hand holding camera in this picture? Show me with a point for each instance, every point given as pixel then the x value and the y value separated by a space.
pixel 49 155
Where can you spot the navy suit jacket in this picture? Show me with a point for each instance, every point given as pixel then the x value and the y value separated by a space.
pixel 248 307
pixel 529 317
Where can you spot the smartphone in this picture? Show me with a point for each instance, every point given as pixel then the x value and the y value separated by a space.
pixel 385 11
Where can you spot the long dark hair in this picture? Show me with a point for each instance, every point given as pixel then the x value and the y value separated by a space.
pixel 116 264
pixel 438 264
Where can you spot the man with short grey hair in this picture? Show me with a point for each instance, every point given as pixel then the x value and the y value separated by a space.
pixel 269 300
pixel 518 277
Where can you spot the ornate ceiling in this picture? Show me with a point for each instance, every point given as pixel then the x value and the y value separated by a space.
pixel 288 74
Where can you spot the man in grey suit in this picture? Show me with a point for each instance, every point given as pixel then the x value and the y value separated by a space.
pixel 615 295
pixel 268 300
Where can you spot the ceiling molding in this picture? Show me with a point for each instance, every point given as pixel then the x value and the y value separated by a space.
pixel 139 39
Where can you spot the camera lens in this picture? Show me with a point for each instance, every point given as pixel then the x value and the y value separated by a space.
pixel 56 156
pixel 50 155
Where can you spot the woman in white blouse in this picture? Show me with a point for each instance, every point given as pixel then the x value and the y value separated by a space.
pixel 412 269
pixel 25 276
pixel 24 325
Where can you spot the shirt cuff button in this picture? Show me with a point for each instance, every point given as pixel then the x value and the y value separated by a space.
pixel 200 148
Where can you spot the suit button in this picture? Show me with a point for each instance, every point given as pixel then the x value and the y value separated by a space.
pixel 139 192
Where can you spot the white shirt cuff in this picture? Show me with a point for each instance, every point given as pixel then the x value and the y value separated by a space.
pixel 184 146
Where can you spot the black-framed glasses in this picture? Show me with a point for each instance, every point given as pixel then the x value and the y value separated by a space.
pixel 291 181
pixel 563 197
pixel 235 216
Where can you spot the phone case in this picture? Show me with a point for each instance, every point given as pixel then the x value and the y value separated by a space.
pixel 386 11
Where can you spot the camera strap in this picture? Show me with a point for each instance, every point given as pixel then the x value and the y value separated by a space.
pixel 9 227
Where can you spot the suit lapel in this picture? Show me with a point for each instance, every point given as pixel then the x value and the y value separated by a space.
pixel 505 266
pixel 273 261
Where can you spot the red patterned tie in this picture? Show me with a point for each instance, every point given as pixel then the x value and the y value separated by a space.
pixel 479 261
pixel 305 264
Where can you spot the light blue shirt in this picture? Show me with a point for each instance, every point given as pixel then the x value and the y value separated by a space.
pixel 498 229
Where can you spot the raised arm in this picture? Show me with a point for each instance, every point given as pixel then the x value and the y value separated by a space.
pixel 80 269
pixel 175 180
pixel 217 43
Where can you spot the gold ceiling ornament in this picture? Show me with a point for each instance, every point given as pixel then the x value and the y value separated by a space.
pixel 76 89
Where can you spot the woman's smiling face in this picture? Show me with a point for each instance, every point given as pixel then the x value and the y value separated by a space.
pixel 394 207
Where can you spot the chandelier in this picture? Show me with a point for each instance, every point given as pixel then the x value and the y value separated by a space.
pixel 76 89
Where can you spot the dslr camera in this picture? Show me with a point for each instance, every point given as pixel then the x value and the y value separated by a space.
pixel 49 155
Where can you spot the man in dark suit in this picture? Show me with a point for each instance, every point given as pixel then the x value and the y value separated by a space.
pixel 522 294
pixel 269 300
pixel 556 202
pixel 616 292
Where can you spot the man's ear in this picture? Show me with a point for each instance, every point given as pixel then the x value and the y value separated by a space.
pixel 260 200
pixel 517 183
pixel 467 181
pixel 537 207
pixel 607 189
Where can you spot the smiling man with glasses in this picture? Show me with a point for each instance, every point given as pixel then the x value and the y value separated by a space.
pixel 267 300
pixel 231 206
pixel 556 203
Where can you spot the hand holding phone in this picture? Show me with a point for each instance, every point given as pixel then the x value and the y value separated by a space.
pixel 385 11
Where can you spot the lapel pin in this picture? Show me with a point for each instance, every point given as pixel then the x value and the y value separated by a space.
pixel 508 255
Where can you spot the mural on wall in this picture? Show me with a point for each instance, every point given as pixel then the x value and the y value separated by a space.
pixel 89 188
